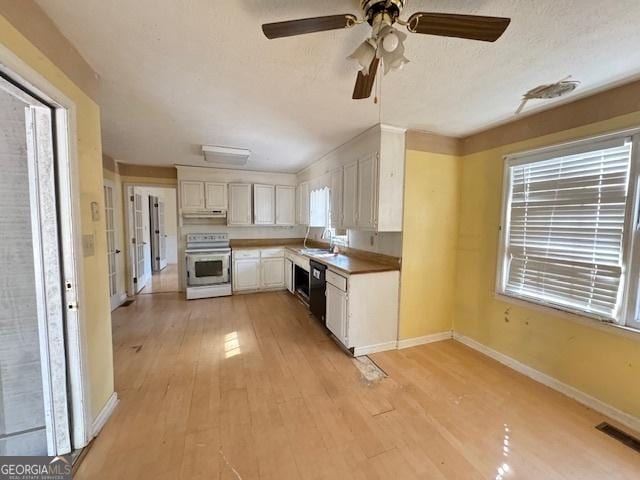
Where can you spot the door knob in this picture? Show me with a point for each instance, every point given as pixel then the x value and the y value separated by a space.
pixel 117 251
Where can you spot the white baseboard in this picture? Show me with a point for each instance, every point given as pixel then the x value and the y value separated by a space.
pixel 378 347
pixel 104 414
pixel 434 337
pixel 591 402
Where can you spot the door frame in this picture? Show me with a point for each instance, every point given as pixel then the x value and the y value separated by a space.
pixel 128 223
pixel 67 176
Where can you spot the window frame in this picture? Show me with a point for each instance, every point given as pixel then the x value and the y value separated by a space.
pixel 629 302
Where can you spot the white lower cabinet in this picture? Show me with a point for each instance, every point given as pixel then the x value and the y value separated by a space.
pixel 288 274
pixel 272 272
pixel 255 270
pixel 362 310
pixel 246 274
pixel 336 315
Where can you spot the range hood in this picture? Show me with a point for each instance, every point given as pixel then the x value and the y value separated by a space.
pixel 206 214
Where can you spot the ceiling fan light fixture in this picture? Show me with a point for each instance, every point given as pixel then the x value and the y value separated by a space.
pixel 364 55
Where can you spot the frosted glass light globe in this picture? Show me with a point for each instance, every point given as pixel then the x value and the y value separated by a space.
pixel 390 42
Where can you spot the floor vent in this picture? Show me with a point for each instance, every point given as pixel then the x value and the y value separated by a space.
pixel 619 435
pixel 127 303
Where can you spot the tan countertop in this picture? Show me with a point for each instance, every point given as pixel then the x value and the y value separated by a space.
pixel 347 264
pixel 340 263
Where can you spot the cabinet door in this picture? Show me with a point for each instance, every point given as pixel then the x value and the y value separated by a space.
pixel 272 273
pixel 246 274
pixel 285 205
pixel 337 313
pixel 336 199
pixel 350 195
pixel 192 196
pixel 303 204
pixel 288 274
pixel 216 195
pixel 239 204
pixel 263 204
pixel 367 174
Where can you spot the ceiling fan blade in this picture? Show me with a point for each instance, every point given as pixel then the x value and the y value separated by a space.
pixel 308 25
pixel 364 83
pixel 473 27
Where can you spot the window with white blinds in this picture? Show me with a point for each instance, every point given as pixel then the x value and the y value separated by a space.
pixel 563 241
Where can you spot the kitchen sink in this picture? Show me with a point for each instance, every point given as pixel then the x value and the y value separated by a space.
pixel 317 252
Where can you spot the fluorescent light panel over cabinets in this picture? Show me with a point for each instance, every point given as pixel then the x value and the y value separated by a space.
pixel 237 157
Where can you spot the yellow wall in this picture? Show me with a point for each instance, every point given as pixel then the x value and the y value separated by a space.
pixel 429 243
pixel 603 364
pixel 95 307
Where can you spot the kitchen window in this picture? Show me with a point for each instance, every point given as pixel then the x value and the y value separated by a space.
pixel 569 229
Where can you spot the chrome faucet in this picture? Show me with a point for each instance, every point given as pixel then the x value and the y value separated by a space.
pixel 324 237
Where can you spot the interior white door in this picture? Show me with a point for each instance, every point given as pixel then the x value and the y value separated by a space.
pixel 350 195
pixel 192 196
pixel 336 198
pixel 239 204
pixel 272 272
pixel 140 279
pixel 337 313
pixel 34 415
pixel 367 173
pixel 264 205
pixel 154 233
pixel 285 205
pixel 112 244
pixel 246 274
pixel 162 234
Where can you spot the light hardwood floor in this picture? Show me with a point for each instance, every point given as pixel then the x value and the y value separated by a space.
pixel 251 387
pixel 164 281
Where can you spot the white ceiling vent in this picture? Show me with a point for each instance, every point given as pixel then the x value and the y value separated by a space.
pixel 236 157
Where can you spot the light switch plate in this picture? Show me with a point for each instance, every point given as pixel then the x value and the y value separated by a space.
pixel 95 211
pixel 88 245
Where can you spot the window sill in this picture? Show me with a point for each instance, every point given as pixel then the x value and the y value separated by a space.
pixel 613 328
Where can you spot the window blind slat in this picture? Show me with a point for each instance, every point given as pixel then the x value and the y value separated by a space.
pixel 566 227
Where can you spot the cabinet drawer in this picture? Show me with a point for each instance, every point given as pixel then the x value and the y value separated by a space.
pixel 336 280
pixel 246 254
pixel 272 252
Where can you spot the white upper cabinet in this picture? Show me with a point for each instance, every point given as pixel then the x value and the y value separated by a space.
pixel 336 198
pixel 216 195
pixel 285 205
pixel 367 179
pixel 303 203
pixel 264 205
pixel 192 196
pixel 239 204
pixel 350 196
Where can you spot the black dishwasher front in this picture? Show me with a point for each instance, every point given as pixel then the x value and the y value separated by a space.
pixel 317 298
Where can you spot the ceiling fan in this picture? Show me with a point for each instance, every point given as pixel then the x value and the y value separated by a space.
pixel 386 42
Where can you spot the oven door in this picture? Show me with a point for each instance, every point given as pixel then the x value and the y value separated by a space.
pixel 207 269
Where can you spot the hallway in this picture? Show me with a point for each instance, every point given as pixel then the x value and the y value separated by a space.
pixel 252 383
pixel 164 281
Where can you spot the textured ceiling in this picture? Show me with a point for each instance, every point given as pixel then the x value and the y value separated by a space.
pixel 176 74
